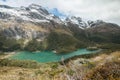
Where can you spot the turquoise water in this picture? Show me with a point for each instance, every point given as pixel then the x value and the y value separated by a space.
pixel 49 56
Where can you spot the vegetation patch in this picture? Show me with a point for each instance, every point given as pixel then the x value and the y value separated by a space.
pixel 19 63
pixel 109 71
pixel 62 42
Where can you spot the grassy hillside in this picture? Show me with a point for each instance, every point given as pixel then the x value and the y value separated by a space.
pixel 63 42
pixel 103 66
pixel 65 38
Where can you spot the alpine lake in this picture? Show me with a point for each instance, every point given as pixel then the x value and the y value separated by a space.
pixel 50 56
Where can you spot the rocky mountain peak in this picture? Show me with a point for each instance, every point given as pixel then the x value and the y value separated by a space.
pixel 38 8
pixel 76 20
pixel 94 23
pixel 5 6
pixel 35 6
pixel 38 14
pixel 33 13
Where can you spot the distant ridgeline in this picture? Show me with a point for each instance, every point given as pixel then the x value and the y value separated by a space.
pixel 33 28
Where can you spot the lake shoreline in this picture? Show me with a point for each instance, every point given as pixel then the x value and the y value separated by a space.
pixel 80 56
pixel 49 57
pixel 87 56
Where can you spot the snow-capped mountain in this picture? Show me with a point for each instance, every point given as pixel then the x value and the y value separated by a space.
pixel 36 22
pixel 33 13
pixel 94 23
pixel 38 14
pixel 76 20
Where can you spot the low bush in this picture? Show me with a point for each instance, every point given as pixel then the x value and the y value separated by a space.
pixel 109 71
pixel 18 63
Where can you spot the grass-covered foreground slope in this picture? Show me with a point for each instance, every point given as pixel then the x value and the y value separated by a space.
pixel 101 67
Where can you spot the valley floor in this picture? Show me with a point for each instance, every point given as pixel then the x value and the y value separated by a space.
pixel 101 67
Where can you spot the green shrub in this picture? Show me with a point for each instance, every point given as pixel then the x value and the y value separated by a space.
pixel 54 65
pixel 19 63
pixel 39 72
pixel 70 72
pixel 108 71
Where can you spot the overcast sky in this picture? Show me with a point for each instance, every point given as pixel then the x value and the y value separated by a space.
pixel 107 10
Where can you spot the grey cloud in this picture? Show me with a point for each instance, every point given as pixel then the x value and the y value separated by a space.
pixel 107 10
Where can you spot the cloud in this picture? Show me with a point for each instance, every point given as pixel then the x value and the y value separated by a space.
pixel 107 10
pixel 4 0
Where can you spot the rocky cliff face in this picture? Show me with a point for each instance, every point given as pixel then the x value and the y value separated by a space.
pixel 27 22
pixel 33 28
pixel 22 30
pixel 35 22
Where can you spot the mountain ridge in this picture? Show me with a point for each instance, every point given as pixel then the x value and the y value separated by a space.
pixel 34 25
